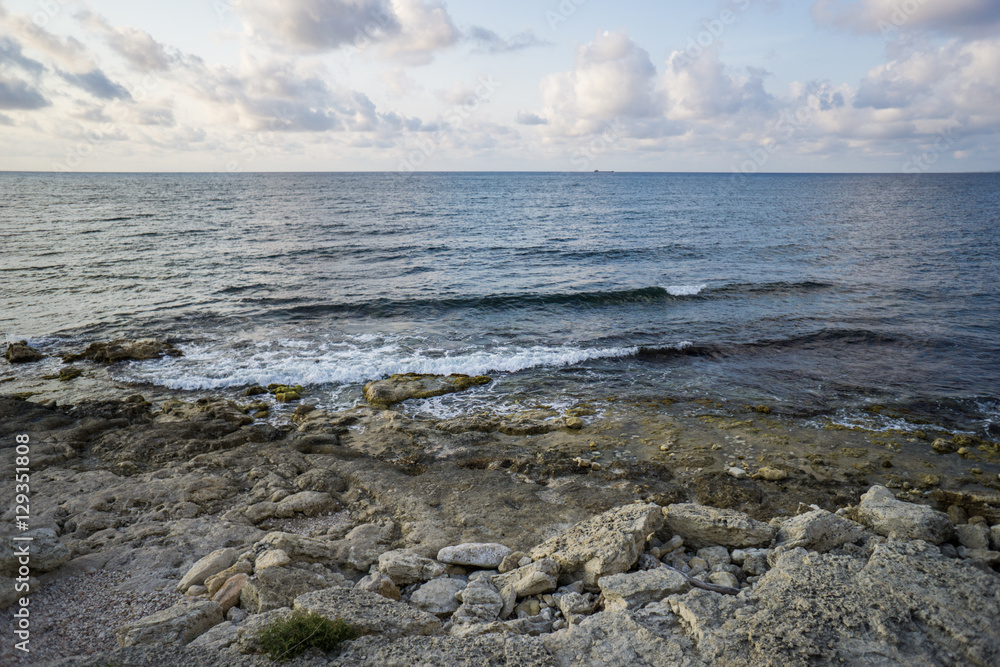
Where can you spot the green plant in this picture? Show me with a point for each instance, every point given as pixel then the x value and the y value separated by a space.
pixel 286 638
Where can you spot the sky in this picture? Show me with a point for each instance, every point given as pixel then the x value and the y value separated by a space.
pixel 740 86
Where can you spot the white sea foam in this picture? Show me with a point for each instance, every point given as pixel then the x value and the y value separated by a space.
pixel 684 290
pixel 343 363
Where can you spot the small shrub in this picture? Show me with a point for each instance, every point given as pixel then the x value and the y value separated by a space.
pixel 286 638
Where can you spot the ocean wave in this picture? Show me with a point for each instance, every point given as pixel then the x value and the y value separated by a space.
pixel 299 362
pixel 685 290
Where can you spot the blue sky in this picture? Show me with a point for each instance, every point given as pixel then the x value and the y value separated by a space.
pixel 289 85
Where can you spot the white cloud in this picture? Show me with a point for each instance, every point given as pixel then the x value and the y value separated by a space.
pixel 704 89
pixel 963 17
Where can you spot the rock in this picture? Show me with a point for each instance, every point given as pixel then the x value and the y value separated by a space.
pixel 637 589
pixel 481 603
pixel 405 567
pixel 702 526
pixel 437 596
pixel 818 530
pixel 724 579
pixel 22 353
pixel 309 503
pixel 221 636
pixel 216 581
pixel 714 556
pixel 369 612
pixel 606 544
pixel 899 520
pixel 942 446
pixel 496 649
pixel 476 554
pixel 298 547
pixel 574 423
pixel 512 561
pixel 177 625
pixel 973 536
pixel 609 639
pixel 377 582
pixel 236 615
pixel 755 562
pixel 213 563
pixel 45 550
pixel 277 587
pixel 229 594
pixel 575 605
pixel 271 558
pixel 771 474
pixel 401 387
pixel 995 537
pixel 537 577
pixel 196 591
pixel 957 515
pixel 125 350
pixel 738 473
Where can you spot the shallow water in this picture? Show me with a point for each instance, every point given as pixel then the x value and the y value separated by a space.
pixel 818 294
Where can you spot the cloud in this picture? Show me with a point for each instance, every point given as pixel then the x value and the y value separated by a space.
pixel 69 51
pixel 409 31
pixel 488 41
pixel 11 54
pixel 704 88
pixel 16 94
pixel 137 47
pixel 612 77
pixel 528 118
pixel 956 17
pixel 97 84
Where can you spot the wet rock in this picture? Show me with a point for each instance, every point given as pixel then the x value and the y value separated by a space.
pixel 537 577
pixel 899 520
pixel 437 596
pixel 995 537
pixel 213 563
pixel 368 612
pixel 177 625
pixel 574 423
pixel 405 567
pixel 818 530
pixel 401 387
pixel 637 589
pixel 606 544
pixel 771 474
pixel 709 526
pixel 125 350
pixel 22 353
pixel 475 554
pixel 942 446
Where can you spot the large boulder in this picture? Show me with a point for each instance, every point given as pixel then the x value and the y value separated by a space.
pixel 125 350
pixel 277 587
pixel 369 612
pixel 174 626
pixel 703 526
pixel 437 596
pixel 401 387
pixel 899 520
pixel 606 544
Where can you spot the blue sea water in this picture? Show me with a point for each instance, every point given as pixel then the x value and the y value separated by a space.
pixel 818 294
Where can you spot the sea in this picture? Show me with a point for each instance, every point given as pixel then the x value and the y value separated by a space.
pixel 869 300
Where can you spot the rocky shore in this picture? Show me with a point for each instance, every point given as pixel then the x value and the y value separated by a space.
pixel 620 532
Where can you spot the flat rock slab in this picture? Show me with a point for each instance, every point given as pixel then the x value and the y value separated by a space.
pixel 703 526
pixel 174 626
pixel 369 612
pixel 819 530
pixel 605 544
pixel 630 591
pixel 406 567
pixel 401 387
pixel 900 520
pixel 209 565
